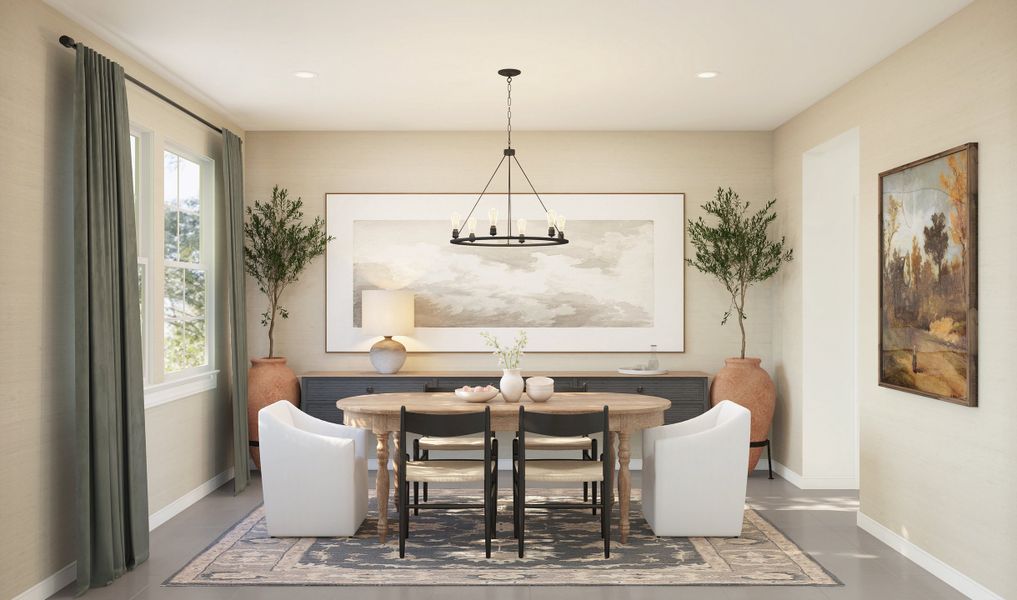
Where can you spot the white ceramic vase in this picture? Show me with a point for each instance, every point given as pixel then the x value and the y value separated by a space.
pixel 511 385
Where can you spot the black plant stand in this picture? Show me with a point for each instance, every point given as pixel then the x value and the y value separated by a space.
pixel 769 460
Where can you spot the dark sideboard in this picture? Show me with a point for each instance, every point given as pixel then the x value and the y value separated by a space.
pixel 319 391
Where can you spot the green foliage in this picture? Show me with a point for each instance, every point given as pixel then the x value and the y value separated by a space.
pixel 278 247
pixel 737 250
pixel 507 357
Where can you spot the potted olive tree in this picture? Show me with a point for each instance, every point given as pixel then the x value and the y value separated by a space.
pixel 738 252
pixel 278 246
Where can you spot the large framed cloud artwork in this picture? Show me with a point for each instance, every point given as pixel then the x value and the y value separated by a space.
pixel 618 285
pixel 928 308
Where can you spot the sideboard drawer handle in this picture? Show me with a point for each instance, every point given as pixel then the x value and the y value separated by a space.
pixel 639 389
pixel 370 389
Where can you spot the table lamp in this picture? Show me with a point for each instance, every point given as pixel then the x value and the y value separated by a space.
pixel 387 313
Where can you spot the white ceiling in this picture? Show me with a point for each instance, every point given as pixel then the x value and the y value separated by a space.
pixel 587 64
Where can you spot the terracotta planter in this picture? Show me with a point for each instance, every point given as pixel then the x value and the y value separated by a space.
pixel 268 381
pixel 744 382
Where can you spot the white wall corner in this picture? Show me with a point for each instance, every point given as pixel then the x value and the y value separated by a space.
pixel 949 575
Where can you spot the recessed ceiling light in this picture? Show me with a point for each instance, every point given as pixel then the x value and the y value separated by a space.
pixel 305 74
pixel 707 74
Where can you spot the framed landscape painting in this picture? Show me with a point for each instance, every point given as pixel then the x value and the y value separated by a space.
pixel 928 335
pixel 618 285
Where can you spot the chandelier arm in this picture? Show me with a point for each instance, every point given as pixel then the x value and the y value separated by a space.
pixel 467 219
pixel 539 199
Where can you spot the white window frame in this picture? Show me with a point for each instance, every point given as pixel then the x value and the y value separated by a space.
pixel 206 193
pixel 162 387
pixel 143 188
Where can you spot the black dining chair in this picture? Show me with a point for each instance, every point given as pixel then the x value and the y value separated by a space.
pixel 448 471
pixel 561 470
pixel 422 447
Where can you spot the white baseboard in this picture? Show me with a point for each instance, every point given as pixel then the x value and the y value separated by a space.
pixel 951 576
pixel 505 464
pixel 810 483
pixel 51 585
pixel 184 502
pixel 59 580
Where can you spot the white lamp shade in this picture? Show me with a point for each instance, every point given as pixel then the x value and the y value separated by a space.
pixel 387 312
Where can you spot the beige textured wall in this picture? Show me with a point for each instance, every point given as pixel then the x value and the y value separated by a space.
pixel 311 164
pixel 940 475
pixel 188 440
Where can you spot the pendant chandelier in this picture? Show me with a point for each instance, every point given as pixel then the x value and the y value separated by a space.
pixel 519 238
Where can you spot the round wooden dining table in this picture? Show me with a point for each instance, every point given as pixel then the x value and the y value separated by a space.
pixel 627 413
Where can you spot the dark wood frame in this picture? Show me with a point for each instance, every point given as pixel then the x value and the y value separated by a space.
pixel 685 295
pixel 970 265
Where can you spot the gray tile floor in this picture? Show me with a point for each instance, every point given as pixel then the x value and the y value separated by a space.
pixel 822 522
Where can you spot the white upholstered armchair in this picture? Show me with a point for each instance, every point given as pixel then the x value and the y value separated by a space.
pixel 694 474
pixel 313 474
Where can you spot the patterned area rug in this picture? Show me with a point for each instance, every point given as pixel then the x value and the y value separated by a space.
pixel 563 547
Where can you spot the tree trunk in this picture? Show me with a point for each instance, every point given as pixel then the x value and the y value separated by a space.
pixel 271 329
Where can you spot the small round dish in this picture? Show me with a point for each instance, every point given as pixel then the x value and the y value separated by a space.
pixel 483 395
pixel 539 389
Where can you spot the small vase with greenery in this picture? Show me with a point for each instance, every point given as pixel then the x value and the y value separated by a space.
pixel 508 358
pixel 279 246
pixel 738 252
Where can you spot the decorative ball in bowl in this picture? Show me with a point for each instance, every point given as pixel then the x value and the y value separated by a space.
pixel 477 394
pixel 539 389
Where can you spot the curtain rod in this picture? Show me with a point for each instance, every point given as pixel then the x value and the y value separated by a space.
pixel 69 42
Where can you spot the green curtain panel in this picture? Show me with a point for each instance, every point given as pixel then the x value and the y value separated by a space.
pixel 109 394
pixel 233 178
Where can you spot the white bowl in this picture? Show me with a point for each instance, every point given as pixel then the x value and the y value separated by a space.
pixel 482 396
pixel 539 389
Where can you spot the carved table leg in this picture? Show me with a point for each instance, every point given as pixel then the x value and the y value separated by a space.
pixel 381 485
pixel 624 485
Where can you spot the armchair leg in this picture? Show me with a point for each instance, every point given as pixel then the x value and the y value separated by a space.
pixel 596 484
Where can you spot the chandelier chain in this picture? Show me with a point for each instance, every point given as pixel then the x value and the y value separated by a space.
pixel 508 112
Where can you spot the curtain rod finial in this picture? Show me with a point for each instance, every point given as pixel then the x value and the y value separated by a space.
pixel 67 41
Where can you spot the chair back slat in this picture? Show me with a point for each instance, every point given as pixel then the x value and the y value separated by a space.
pixel 563 425
pixel 446 425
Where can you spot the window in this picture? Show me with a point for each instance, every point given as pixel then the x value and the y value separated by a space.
pixel 140 142
pixel 185 270
pixel 175 258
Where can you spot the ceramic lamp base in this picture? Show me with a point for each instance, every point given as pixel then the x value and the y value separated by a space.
pixel 388 355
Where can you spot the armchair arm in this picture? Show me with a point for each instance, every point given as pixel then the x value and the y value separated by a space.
pixel 310 424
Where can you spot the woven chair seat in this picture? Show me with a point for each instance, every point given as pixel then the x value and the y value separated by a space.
pixel 564 471
pixel 446 471
pixel 532 443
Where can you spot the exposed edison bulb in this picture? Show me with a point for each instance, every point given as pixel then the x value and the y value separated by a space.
pixel 457 221
pixel 561 222
pixel 492 216
pixel 472 224
pixel 521 226
pixel 550 217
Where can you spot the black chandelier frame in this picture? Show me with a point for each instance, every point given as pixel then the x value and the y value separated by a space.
pixel 555 235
